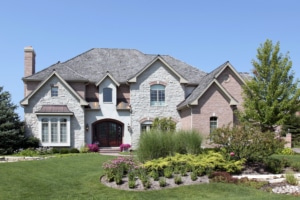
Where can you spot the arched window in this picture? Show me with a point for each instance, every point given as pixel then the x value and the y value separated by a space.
pixel 157 95
pixel 213 124
pixel 107 95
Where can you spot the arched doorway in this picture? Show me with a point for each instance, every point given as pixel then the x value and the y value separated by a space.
pixel 108 133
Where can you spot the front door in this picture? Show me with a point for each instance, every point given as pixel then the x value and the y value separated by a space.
pixel 108 133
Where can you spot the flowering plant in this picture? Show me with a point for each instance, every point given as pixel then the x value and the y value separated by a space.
pixel 119 165
pixel 93 147
pixel 124 147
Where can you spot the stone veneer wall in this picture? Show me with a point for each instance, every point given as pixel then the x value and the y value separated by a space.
pixel 43 97
pixel 140 98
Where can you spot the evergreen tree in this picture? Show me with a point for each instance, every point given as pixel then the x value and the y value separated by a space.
pixel 271 97
pixel 11 129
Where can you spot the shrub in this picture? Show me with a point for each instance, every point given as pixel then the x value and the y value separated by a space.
pixel 202 163
pixel 177 179
pixel 187 142
pixel 223 177
pixel 155 175
pixel 291 179
pixel 74 150
pixel 93 147
pixel 274 165
pixel 168 172
pixel 246 141
pixel 162 182
pixel 55 150
pixel 286 151
pixel 124 147
pixel 131 184
pixel 296 166
pixel 156 143
pixel 194 176
pixel 125 164
pixel 31 142
pixel 84 149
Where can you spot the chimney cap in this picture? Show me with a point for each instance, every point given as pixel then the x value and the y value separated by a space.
pixel 28 49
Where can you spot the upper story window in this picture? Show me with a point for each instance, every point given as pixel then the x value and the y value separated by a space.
pixel 157 95
pixel 107 95
pixel 54 91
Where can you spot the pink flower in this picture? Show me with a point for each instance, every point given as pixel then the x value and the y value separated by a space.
pixel 231 154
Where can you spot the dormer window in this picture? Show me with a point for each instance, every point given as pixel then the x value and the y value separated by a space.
pixel 107 95
pixel 54 91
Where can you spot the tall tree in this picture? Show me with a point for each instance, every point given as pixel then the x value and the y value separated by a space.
pixel 271 97
pixel 11 129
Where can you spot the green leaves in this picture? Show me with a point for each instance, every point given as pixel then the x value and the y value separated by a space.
pixel 272 96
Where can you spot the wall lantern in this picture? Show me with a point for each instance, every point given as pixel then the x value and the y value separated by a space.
pixel 129 127
pixel 87 127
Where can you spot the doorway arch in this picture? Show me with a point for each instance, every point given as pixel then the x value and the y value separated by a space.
pixel 108 133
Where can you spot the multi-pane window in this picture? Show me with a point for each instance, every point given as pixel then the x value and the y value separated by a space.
pixel 45 130
pixel 213 123
pixel 107 95
pixel 157 95
pixel 54 91
pixel 63 130
pixel 146 126
pixel 54 131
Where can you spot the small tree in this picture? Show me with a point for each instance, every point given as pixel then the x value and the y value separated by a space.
pixel 11 128
pixel 246 141
pixel 164 124
pixel 271 98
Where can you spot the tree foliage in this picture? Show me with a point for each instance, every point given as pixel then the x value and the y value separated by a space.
pixel 11 128
pixel 271 97
pixel 164 124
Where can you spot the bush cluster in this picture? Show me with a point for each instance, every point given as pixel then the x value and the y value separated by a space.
pixel 157 143
pixel 202 163
pixel 247 141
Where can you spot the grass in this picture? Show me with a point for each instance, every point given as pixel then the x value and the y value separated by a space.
pixel 77 177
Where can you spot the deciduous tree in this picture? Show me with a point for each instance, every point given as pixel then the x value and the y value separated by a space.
pixel 271 97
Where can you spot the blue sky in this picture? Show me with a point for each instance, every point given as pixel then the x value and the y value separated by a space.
pixel 204 34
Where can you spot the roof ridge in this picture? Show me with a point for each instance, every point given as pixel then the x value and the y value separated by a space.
pixel 78 55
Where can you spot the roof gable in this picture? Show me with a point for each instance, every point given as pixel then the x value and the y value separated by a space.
pixel 158 58
pixel 25 101
pixel 110 77
pixel 207 82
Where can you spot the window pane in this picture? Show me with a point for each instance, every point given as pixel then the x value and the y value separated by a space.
pixel 45 130
pixel 213 123
pixel 157 95
pixel 54 91
pixel 107 95
pixel 63 130
pixel 54 136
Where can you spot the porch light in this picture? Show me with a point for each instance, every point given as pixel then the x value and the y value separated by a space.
pixel 129 127
pixel 87 127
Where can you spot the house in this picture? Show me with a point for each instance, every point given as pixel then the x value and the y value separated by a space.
pixel 110 96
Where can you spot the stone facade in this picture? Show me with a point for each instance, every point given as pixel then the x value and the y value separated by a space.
pixel 130 107
pixel 65 97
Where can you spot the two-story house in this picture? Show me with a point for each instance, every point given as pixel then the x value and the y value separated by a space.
pixel 110 96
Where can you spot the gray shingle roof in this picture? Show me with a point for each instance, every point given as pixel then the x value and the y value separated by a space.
pixel 122 64
pixel 203 84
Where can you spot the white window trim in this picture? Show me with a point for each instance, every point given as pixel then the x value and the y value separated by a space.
pixel 55 144
pixel 158 87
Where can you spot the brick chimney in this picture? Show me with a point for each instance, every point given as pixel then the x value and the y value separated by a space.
pixel 29 61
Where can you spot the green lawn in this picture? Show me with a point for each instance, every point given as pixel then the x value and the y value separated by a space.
pixel 77 177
